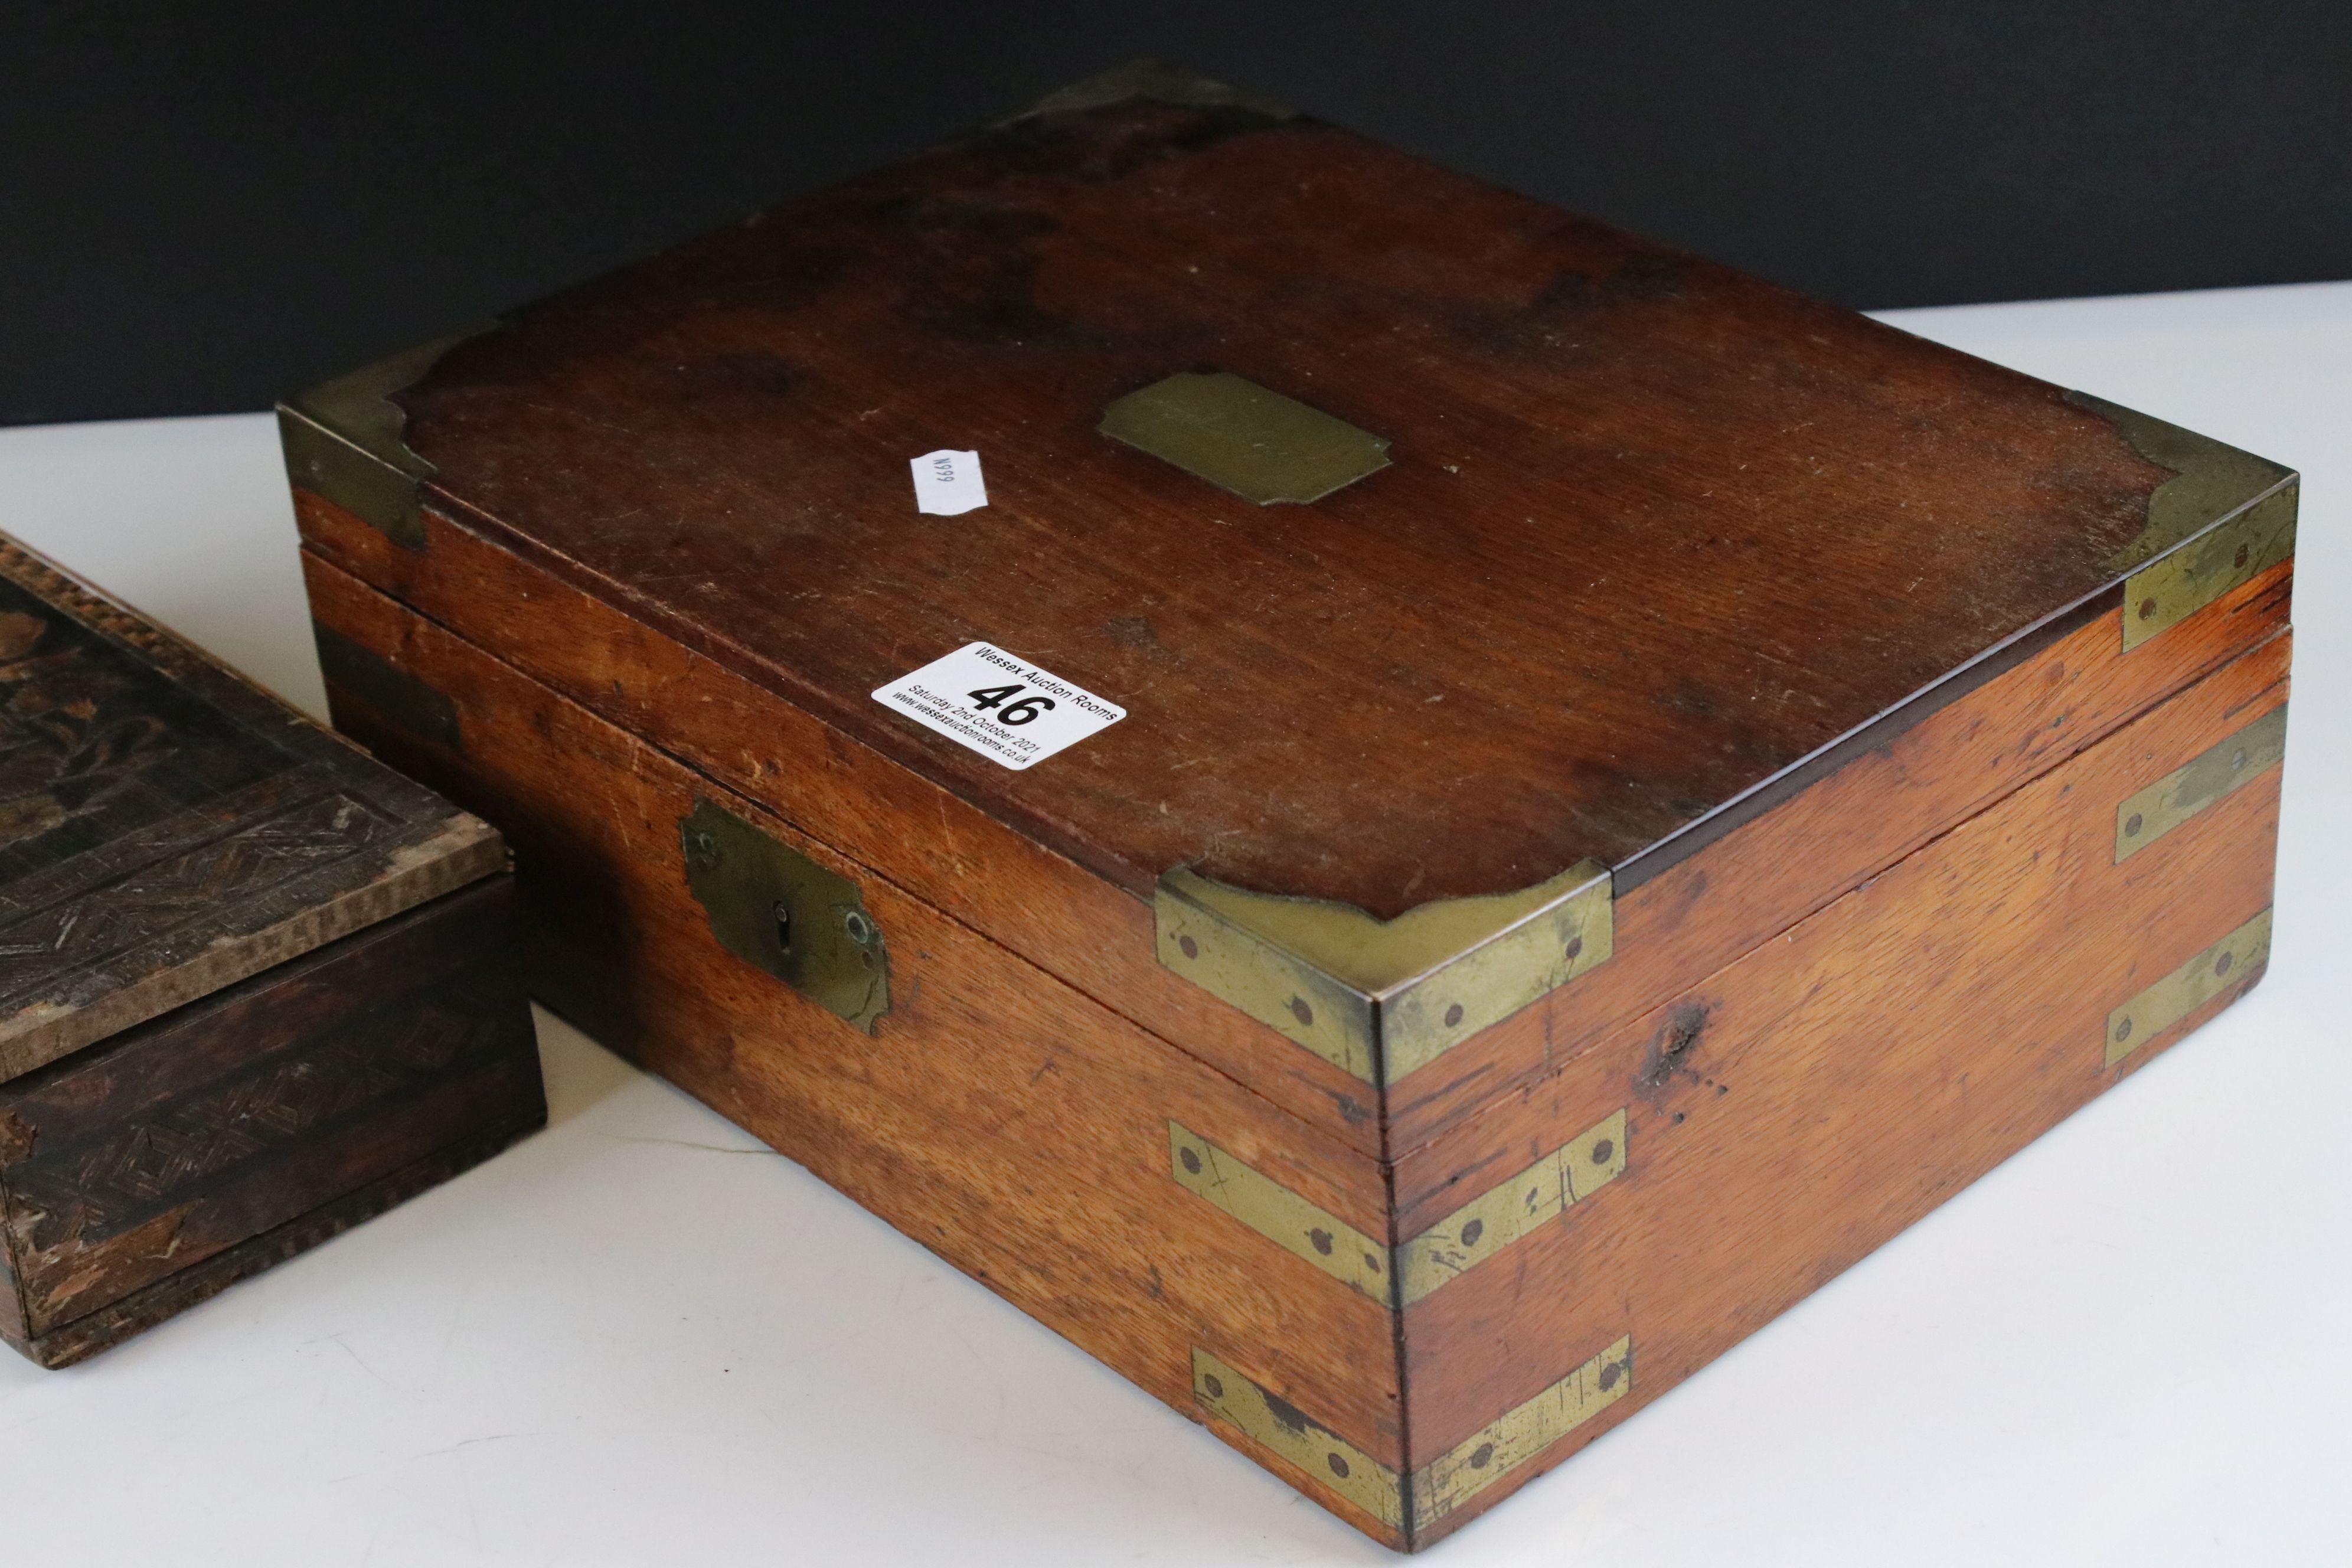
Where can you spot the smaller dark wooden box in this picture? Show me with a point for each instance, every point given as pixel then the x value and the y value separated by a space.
pixel 255 987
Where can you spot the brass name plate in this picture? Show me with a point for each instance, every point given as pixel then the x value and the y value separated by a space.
pixel 1240 436
pixel 1447 1482
pixel 2150 813
pixel 2236 960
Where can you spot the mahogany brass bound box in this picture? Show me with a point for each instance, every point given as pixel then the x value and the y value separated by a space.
pixel 255 987
pixel 1401 814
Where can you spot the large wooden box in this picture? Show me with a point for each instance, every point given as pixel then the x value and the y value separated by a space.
pixel 255 987
pixel 1525 799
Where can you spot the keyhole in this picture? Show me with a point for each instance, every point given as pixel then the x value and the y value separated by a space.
pixel 784 927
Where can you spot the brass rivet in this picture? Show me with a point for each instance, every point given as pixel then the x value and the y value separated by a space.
pixel 1611 1374
pixel 784 913
pixel 1575 946
pixel 1338 1465
pixel 1453 1015
pixel 2221 964
pixel 860 929
pixel 1479 1456
pixel 2123 1030
pixel 1372 1262
pixel 2132 827
pixel 1191 1160
pixel 1301 1011
pixel 2148 609
pixel 2244 553
pixel 1211 1386
pixel 1191 949
pixel 1602 1150
pixel 1322 1240
pixel 1473 1231
pixel 2237 760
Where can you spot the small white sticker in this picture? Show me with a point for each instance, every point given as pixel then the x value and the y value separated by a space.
pixel 947 483
pixel 1006 709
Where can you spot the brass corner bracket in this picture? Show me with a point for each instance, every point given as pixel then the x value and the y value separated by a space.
pixel 345 441
pixel 1409 1501
pixel 2224 516
pixel 1380 998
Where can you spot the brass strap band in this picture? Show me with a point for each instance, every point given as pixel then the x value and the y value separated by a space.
pixel 1279 1214
pixel 2150 813
pixel 1484 1226
pixel 1446 1483
pixel 1478 1230
pixel 2237 959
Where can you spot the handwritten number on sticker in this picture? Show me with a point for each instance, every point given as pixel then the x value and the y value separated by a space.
pixel 1015 712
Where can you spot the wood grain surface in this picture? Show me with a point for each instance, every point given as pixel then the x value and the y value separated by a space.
pixel 1651 531
pixel 1883 800
pixel 1786 1114
pixel 176 1147
pixel 996 1116
pixel 1881 804
pixel 1658 545
pixel 1802 1106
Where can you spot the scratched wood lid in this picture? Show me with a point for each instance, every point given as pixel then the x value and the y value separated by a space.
pixel 167 829
pixel 1432 542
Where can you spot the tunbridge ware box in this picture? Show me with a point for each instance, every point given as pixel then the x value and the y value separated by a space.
pixel 1401 814
pixel 255 987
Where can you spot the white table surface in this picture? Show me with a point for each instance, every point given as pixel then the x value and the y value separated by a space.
pixel 639 1338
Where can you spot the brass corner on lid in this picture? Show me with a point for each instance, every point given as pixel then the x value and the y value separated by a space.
pixel 2223 518
pixel 344 441
pixel 1380 998
pixel 1157 80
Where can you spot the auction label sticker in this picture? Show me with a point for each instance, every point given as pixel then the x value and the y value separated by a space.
pixel 1005 708
pixel 948 482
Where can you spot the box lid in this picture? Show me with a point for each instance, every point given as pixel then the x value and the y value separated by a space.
pixel 166 828
pixel 1454 558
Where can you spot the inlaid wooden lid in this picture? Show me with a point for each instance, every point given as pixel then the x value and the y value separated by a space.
pixel 167 829
pixel 1435 542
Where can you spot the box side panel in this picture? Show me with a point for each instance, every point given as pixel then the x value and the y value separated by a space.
pixel 1884 802
pixel 1754 882
pixel 174 1293
pixel 194 1134
pixel 1802 1105
pixel 1003 1120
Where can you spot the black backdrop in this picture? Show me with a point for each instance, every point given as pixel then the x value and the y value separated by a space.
pixel 203 206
